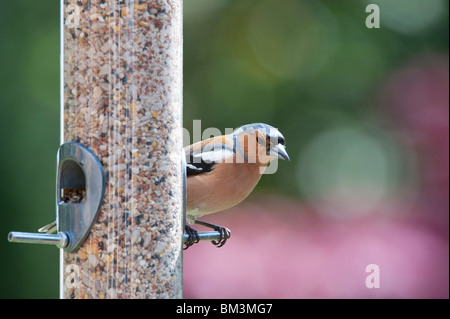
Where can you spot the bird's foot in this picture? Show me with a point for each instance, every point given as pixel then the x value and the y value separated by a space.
pixel 193 237
pixel 225 233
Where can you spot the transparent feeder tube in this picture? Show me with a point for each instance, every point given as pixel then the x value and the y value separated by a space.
pixel 122 98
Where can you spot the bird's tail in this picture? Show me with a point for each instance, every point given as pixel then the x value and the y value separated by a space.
pixel 49 229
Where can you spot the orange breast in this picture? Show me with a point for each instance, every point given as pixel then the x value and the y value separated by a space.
pixel 226 186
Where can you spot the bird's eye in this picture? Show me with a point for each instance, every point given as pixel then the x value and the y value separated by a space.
pixel 281 140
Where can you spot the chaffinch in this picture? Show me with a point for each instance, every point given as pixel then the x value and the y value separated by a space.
pixel 222 171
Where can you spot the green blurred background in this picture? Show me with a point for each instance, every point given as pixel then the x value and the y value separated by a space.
pixel 310 68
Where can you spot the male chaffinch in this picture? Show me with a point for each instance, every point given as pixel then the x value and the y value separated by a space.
pixel 222 171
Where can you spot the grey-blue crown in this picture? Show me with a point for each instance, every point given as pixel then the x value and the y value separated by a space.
pixel 269 131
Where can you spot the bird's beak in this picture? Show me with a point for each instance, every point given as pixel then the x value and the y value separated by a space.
pixel 280 151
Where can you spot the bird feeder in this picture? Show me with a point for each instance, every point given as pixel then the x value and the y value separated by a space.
pixel 120 173
pixel 121 96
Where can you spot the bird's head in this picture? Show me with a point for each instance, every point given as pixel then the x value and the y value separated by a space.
pixel 259 143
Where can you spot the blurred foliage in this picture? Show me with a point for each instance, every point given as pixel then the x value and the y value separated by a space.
pixel 303 66
pixel 29 115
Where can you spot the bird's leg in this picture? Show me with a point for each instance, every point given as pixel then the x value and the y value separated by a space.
pixel 225 233
pixel 193 236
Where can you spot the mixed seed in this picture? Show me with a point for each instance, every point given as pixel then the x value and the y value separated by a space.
pixel 123 100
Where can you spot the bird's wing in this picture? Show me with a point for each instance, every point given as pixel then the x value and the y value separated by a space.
pixel 201 157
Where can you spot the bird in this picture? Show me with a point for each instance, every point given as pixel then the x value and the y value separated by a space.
pixel 222 171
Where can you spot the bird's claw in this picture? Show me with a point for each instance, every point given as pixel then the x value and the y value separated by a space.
pixel 193 237
pixel 225 233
